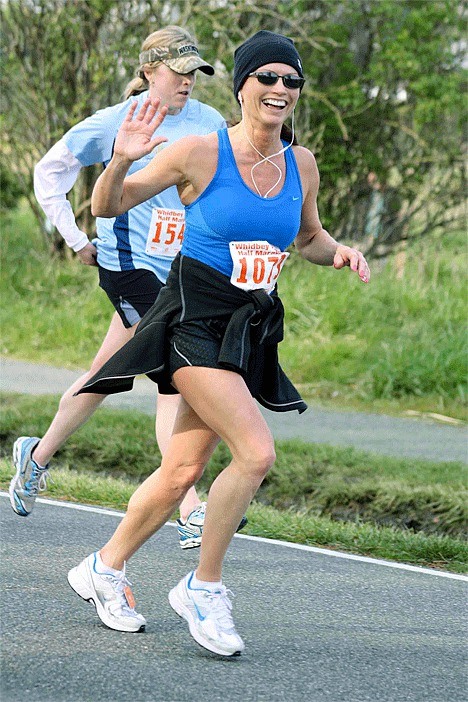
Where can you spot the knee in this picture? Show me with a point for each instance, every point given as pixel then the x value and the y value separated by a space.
pixel 259 461
pixel 188 475
pixel 77 385
pixel 183 476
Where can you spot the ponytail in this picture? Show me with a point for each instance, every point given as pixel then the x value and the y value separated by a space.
pixel 135 86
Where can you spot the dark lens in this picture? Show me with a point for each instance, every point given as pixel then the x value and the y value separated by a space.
pixel 293 82
pixel 267 77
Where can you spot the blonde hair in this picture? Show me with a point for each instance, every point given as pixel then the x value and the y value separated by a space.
pixel 162 37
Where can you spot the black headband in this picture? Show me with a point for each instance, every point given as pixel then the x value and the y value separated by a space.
pixel 262 48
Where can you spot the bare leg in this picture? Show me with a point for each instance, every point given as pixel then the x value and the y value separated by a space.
pixel 73 412
pixel 165 418
pixel 158 496
pixel 228 408
pixel 224 402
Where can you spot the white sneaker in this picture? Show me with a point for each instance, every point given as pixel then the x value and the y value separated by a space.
pixel 208 614
pixel 110 594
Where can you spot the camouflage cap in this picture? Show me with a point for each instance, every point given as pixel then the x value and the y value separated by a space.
pixel 181 57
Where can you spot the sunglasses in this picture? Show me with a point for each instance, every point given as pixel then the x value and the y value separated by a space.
pixel 290 81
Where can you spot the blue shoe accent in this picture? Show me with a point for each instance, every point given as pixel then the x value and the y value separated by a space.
pixel 19 506
pixel 190 532
pixel 195 589
pixel 29 479
pixel 208 615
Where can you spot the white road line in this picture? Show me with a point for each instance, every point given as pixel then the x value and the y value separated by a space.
pixel 276 542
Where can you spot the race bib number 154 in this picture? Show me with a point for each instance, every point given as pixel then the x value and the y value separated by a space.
pixel 166 232
pixel 256 264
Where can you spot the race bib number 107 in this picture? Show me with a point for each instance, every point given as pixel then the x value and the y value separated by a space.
pixel 256 264
pixel 166 232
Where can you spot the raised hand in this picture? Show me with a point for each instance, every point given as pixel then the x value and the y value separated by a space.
pixel 135 137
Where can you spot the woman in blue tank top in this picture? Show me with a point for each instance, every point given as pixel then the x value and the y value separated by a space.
pixel 249 193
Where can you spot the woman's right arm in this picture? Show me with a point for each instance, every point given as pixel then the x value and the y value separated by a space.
pixel 114 193
pixel 54 177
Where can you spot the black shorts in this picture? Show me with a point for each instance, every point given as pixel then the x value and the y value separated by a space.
pixel 131 292
pixel 198 343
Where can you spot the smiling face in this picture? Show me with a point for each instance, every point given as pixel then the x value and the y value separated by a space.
pixel 173 88
pixel 270 103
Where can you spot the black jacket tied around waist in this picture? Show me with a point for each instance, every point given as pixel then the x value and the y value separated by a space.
pixel 195 291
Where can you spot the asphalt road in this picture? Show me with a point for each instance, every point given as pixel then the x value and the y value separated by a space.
pixel 392 436
pixel 317 627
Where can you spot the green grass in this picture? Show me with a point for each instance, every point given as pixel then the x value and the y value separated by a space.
pixel 442 552
pixel 396 344
pixel 407 510
pixel 53 310
pixel 397 340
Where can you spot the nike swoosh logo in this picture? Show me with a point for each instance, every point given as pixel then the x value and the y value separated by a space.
pixel 200 615
pixel 295 198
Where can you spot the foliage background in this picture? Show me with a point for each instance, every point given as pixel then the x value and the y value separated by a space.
pixel 383 106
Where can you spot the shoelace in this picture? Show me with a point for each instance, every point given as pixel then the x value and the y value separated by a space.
pixel 221 606
pixel 197 512
pixel 120 582
pixel 200 510
pixel 37 482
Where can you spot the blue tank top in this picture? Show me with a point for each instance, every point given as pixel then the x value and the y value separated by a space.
pixel 228 210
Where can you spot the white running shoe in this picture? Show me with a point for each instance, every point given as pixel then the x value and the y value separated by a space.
pixel 208 614
pixel 110 594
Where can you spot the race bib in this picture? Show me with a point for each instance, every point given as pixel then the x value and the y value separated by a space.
pixel 166 232
pixel 256 264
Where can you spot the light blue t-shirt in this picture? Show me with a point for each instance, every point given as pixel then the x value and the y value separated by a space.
pixel 136 238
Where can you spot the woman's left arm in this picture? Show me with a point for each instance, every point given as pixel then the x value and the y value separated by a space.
pixel 313 242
